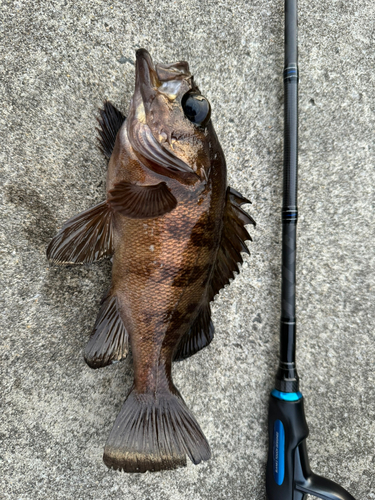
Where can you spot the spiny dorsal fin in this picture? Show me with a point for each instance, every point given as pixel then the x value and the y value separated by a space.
pixel 232 244
pixel 141 202
pixel 109 342
pixel 110 122
pixel 85 238
pixel 199 335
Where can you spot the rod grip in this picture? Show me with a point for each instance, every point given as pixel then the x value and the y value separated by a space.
pixel 288 474
pixel 287 427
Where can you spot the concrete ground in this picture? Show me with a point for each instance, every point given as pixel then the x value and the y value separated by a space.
pixel 59 60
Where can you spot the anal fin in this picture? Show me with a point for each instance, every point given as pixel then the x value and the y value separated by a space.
pixel 109 342
pixel 85 238
pixel 141 202
pixel 198 336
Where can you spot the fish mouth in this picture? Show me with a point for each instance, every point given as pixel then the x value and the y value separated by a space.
pixel 149 78
pixel 146 79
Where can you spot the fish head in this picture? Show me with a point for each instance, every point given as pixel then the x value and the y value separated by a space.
pixel 168 123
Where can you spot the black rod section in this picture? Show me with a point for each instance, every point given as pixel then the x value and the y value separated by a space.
pixel 287 377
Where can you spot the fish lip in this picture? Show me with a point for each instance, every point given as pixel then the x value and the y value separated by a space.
pixel 146 76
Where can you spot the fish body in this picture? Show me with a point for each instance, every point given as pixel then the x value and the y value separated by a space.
pixel 176 232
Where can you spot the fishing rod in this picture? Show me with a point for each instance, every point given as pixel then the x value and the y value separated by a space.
pixel 288 475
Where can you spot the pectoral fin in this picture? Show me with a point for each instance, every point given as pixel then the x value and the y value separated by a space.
pixel 141 202
pixel 85 238
pixel 233 240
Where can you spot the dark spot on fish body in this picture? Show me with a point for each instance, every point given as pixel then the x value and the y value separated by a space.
pixel 201 237
pixel 181 313
pixel 147 318
pixel 173 312
pixel 181 225
pixel 202 234
pixel 190 275
pixel 157 272
pixel 192 307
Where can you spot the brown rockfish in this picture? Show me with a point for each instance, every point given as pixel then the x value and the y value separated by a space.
pixel 176 233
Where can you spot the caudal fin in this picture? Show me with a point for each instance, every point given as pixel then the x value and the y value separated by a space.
pixel 153 434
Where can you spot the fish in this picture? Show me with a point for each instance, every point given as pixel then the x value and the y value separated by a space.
pixel 175 232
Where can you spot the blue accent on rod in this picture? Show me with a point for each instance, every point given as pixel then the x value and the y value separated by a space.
pixel 286 396
pixel 291 73
pixel 278 452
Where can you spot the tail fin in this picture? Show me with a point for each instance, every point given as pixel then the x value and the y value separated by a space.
pixel 154 433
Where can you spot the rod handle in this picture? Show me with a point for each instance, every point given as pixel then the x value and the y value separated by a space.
pixel 288 475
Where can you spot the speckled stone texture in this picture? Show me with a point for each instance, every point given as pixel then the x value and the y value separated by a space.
pixel 58 61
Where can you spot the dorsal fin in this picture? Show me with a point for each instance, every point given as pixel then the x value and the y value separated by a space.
pixel 233 240
pixel 232 244
pixel 110 122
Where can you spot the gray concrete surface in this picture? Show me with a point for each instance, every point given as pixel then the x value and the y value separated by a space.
pixel 58 61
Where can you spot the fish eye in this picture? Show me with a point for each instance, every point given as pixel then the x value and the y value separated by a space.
pixel 196 108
